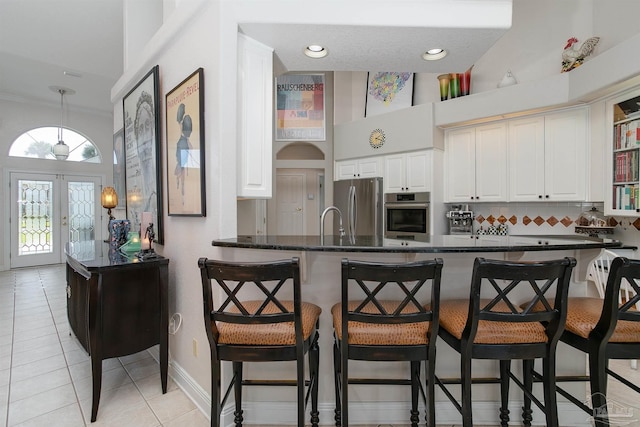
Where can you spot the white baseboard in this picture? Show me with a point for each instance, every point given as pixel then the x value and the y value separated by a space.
pixel 284 413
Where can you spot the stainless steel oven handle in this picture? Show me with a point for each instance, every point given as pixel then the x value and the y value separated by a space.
pixel 406 205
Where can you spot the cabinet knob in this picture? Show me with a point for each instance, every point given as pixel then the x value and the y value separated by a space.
pixel 539 196
pixel 546 196
pixel 471 197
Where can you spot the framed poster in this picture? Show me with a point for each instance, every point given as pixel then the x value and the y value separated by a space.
pixel 388 91
pixel 142 152
pixel 118 168
pixel 185 147
pixel 300 107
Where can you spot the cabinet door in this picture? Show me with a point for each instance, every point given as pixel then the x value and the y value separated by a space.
pixel 526 160
pixel 418 171
pixel 346 169
pixel 255 117
pixel 565 159
pixel 460 165
pixel 369 167
pixel 491 163
pixel 394 173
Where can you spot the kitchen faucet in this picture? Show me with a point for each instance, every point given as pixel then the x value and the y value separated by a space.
pixel 324 213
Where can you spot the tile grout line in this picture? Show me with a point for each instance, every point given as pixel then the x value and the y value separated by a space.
pixel 13 336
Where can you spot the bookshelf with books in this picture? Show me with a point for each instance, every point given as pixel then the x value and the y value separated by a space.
pixel 624 196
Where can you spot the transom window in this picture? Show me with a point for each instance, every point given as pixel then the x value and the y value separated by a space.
pixel 37 143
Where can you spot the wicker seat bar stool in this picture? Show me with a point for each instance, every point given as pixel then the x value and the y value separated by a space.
pixel 387 312
pixel 605 329
pixel 493 325
pixel 271 324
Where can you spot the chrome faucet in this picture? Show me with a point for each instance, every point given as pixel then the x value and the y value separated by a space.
pixel 324 213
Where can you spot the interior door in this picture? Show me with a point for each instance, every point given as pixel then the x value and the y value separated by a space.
pixel 290 204
pixel 49 210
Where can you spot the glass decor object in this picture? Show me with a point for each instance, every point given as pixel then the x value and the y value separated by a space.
pixel 444 86
pixel 454 85
pixel 465 82
pixel 133 244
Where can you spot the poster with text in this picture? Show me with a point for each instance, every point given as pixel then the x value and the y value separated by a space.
pixel 300 113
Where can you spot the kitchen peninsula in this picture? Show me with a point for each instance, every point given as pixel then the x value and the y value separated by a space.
pixel 320 271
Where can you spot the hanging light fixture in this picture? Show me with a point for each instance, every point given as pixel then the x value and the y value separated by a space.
pixel 61 150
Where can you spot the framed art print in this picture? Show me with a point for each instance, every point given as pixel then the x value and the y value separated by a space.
pixel 388 91
pixel 142 152
pixel 300 107
pixel 185 147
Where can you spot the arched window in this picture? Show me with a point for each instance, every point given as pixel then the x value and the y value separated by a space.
pixel 37 143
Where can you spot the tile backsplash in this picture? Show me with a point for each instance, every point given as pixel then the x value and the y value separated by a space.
pixel 541 218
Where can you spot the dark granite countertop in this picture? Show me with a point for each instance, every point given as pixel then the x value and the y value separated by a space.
pixel 435 244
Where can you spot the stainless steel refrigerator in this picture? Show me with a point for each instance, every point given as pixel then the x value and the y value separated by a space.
pixel 361 203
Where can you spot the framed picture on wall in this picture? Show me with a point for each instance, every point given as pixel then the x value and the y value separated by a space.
pixel 388 91
pixel 300 113
pixel 142 153
pixel 185 147
pixel 118 168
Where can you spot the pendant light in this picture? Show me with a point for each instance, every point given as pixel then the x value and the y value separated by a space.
pixel 61 150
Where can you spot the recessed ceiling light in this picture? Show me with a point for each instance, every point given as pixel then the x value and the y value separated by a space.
pixel 315 51
pixel 434 54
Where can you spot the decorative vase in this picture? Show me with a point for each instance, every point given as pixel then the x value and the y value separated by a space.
pixel 444 86
pixel 465 82
pixel 454 85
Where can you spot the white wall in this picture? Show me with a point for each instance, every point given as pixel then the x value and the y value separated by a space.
pixel 17 117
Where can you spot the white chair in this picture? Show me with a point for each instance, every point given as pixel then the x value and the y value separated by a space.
pixel 598 273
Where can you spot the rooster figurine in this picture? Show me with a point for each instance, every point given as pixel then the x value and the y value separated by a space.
pixel 573 57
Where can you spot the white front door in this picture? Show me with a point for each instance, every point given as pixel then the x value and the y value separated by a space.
pixel 49 210
pixel 290 204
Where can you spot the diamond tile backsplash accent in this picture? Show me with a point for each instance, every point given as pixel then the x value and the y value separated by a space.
pixel 541 218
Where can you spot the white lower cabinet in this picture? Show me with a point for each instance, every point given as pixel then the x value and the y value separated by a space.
pixel 408 172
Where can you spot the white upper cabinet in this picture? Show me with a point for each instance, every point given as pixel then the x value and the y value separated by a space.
pixel 408 172
pixel 476 163
pixel 255 117
pixel 367 167
pixel 565 147
pixel 547 157
pixel 526 159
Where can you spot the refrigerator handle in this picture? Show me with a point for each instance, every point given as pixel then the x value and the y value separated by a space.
pixel 353 210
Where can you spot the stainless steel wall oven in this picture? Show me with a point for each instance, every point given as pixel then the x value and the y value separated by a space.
pixel 407 215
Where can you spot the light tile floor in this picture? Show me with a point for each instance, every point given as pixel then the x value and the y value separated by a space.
pixel 45 375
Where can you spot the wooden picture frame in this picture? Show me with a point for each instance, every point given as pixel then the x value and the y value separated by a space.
pixel 388 91
pixel 300 111
pixel 143 175
pixel 119 183
pixel 186 194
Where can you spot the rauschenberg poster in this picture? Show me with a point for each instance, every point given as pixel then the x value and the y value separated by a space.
pixel 300 107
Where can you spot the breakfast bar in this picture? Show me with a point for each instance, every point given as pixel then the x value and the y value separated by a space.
pixel 320 260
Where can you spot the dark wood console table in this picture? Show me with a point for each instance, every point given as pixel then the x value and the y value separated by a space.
pixel 116 305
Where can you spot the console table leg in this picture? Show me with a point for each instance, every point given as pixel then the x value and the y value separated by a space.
pixel 96 373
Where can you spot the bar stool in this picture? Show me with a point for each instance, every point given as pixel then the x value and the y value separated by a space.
pixel 606 329
pixel 492 325
pixel 387 329
pixel 262 329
